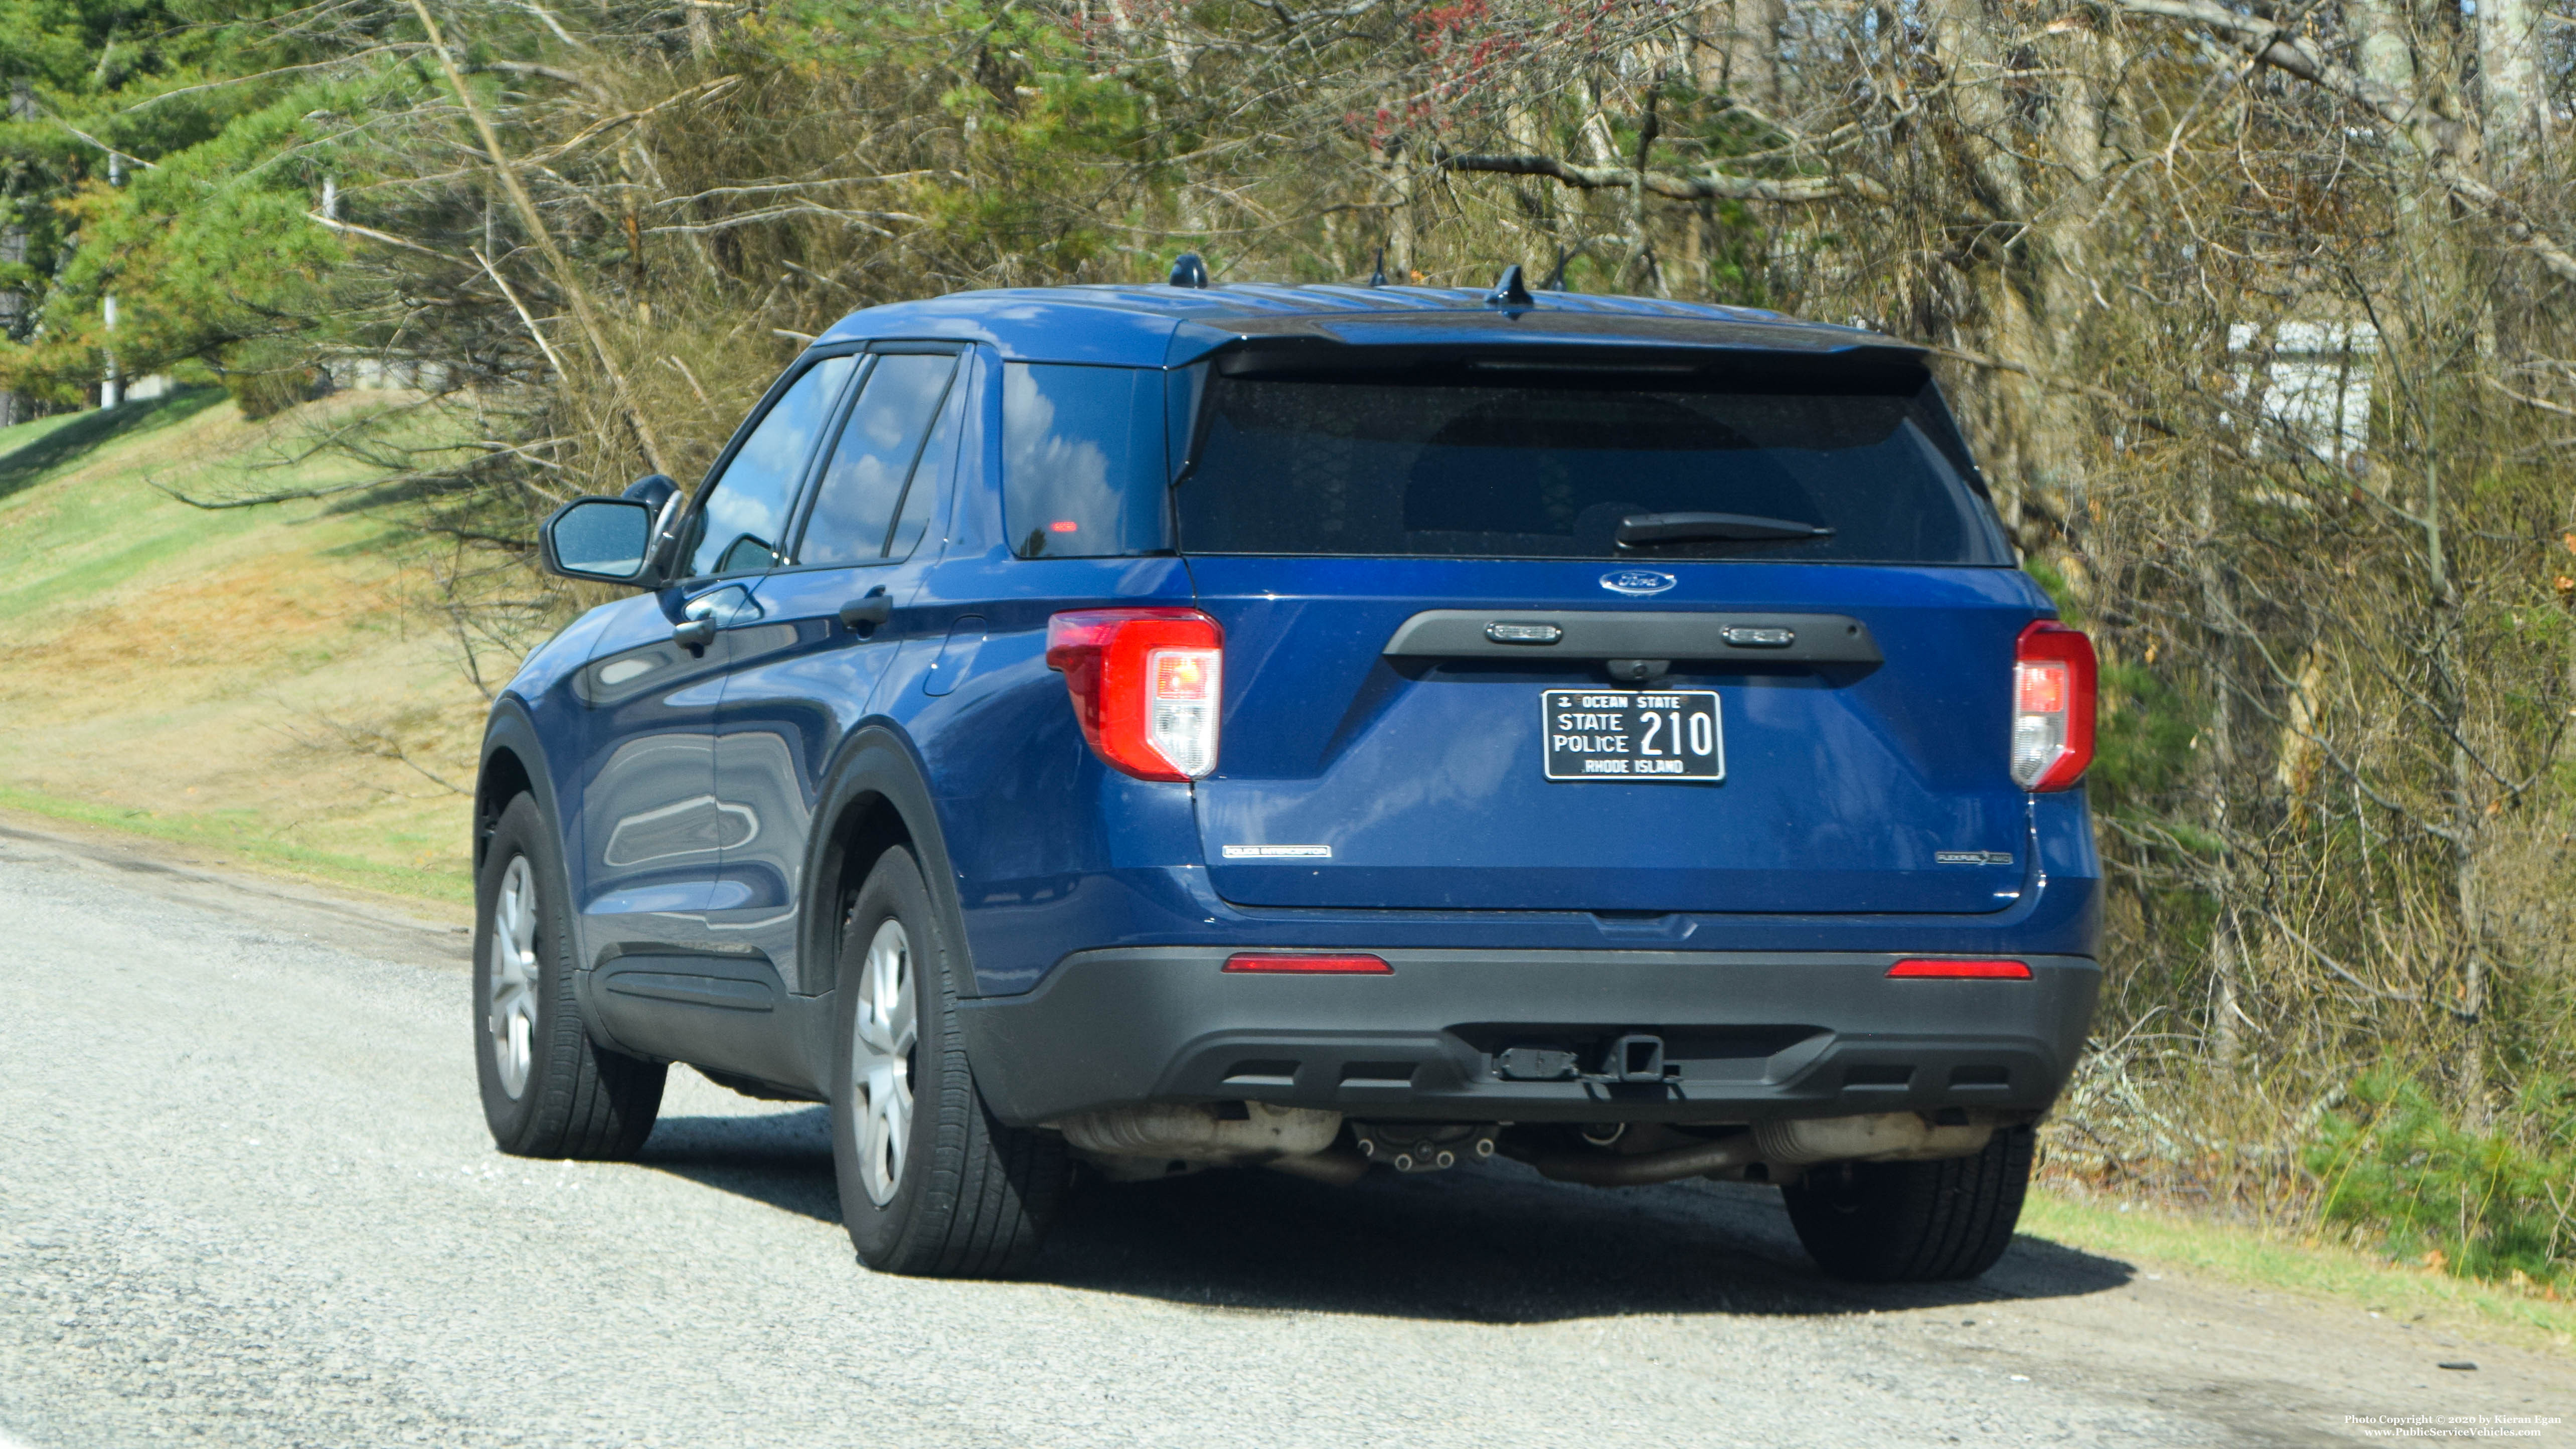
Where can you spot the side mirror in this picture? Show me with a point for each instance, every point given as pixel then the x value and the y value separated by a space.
pixel 667 499
pixel 598 538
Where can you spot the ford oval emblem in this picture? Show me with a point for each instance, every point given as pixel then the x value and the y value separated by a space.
pixel 1637 583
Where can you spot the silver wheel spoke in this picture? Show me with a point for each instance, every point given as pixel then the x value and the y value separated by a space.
pixel 512 1021
pixel 886 1029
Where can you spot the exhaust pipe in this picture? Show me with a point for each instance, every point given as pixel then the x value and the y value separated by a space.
pixel 1868 1137
pixel 1610 1169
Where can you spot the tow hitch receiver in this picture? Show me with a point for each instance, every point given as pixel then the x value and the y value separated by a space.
pixel 1635 1057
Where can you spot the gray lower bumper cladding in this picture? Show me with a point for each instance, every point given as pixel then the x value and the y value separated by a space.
pixel 1540 1036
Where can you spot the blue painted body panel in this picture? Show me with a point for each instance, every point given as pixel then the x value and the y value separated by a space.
pixel 1839 785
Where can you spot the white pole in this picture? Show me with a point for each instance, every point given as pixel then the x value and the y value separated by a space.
pixel 112 391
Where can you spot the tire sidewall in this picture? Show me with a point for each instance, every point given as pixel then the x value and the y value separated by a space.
pixel 521 832
pixel 894 890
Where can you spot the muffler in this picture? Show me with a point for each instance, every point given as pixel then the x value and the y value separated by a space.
pixel 1202 1133
pixel 1870 1137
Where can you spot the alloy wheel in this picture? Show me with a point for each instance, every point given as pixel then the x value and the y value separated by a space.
pixel 881 1060
pixel 513 1019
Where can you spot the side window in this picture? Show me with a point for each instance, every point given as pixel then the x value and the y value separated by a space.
pixel 744 520
pixel 930 475
pixel 863 486
pixel 1083 469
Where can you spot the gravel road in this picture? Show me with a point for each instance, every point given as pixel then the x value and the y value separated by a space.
pixel 246 1198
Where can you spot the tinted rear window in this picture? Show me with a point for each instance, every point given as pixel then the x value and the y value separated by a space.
pixel 1514 470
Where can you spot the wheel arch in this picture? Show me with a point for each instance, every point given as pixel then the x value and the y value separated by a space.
pixel 513 763
pixel 878 797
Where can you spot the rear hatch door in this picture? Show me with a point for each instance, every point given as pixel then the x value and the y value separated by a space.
pixel 1451 686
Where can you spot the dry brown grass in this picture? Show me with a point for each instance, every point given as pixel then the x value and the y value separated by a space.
pixel 261 679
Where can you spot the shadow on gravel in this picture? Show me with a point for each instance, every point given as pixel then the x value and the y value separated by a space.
pixel 781 1158
pixel 1493 1244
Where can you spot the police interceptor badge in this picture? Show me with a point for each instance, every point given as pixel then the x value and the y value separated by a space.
pixel 1633 734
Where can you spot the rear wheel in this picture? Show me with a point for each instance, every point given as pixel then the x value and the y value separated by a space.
pixel 548 1090
pixel 930 1184
pixel 1914 1222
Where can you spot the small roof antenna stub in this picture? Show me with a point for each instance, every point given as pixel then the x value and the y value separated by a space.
pixel 1377 269
pixel 1189 271
pixel 1511 291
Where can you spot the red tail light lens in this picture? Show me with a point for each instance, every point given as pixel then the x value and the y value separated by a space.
pixel 1960 971
pixel 1146 686
pixel 2052 733
pixel 1309 965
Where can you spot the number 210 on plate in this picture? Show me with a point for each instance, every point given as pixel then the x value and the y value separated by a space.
pixel 1637 735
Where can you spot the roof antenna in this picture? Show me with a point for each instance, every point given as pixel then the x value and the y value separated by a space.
pixel 1377 273
pixel 1511 291
pixel 1189 271
pixel 1556 279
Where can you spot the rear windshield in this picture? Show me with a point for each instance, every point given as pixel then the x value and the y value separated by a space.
pixel 1538 470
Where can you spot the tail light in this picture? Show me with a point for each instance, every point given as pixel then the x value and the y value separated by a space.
pixel 1146 686
pixel 2052 735
pixel 1921 969
pixel 1295 965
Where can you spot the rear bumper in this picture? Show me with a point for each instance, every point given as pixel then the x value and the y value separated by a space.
pixel 1749 1036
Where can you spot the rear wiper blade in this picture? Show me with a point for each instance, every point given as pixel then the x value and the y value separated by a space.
pixel 1639 529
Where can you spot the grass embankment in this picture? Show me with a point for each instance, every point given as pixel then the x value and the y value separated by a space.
pixel 249 682
pixel 2252 1256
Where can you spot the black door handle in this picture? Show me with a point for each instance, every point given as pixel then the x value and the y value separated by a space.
pixel 863 614
pixel 695 633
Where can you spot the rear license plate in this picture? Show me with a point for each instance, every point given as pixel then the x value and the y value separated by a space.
pixel 1632 734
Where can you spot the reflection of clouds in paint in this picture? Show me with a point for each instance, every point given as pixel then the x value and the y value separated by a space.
pixel 1069 473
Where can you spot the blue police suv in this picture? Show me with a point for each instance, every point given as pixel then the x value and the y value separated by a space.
pixel 1319 729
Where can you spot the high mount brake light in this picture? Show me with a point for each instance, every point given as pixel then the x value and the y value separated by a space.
pixel 2052 731
pixel 1287 965
pixel 1146 684
pixel 1931 970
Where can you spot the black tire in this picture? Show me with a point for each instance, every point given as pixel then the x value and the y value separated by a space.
pixel 576 1099
pixel 1914 1222
pixel 971 1198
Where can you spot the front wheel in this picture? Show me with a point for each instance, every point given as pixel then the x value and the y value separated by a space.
pixel 1914 1222
pixel 930 1184
pixel 548 1090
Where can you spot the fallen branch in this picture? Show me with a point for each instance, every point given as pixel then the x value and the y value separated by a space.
pixel 1696 186
pixel 347 228
pixel 543 345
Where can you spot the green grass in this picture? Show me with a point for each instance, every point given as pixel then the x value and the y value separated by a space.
pixel 95 539
pixel 178 664
pixel 2248 1256
pixel 239 840
pixel 31 451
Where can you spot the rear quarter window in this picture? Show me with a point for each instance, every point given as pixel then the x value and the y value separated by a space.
pixel 1083 464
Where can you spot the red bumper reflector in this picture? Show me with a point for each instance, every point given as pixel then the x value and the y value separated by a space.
pixel 1960 971
pixel 1309 965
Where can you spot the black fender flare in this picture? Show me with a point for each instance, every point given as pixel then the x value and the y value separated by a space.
pixel 513 729
pixel 877 761
pixel 510 729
